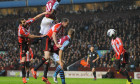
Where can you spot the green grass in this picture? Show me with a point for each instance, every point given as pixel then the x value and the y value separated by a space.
pixel 18 80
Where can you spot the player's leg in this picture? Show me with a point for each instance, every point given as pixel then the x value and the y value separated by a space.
pixel 120 67
pixel 46 53
pixel 58 70
pixel 46 66
pixel 56 59
pixel 92 68
pixel 123 69
pixel 23 49
pixel 125 73
pixel 23 69
pixel 94 73
pixel 34 70
pixel 62 76
pixel 27 69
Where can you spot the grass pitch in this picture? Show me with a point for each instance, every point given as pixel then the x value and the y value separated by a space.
pixel 18 80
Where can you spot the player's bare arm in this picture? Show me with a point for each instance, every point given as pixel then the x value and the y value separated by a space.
pixel 51 12
pixel 34 36
pixel 88 60
pixel 55 40
pixel 40 15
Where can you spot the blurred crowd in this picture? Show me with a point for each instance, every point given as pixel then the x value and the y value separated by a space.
pixel 91 28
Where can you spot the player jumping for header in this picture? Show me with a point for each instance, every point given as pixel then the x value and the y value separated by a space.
pixel 23 36
pixel 48 21
pixel 121 54
pixel 47 46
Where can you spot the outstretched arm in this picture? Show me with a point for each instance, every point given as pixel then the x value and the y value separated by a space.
pixel 35 36
pixel 40 15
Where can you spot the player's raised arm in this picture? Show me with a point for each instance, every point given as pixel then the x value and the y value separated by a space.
pixel 34 36
pixel 40 15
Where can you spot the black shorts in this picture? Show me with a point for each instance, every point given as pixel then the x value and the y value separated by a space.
pixel 122 62
pixel 46 43
pixel 27 64
pixel 92 65
pixel 24 47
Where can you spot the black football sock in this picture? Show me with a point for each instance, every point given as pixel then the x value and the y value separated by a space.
pixel 23 69
pixel 94 74
pixel 46 65
pixel 40 64
pixel 125 73
pixel 27 74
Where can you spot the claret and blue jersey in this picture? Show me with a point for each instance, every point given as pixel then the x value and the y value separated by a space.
pixel 64 41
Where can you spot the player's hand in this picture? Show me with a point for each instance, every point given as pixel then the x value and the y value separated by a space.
pixel 93 61
pixel 58 45
pixel 87 63
pixel 61 64
pixel 42 36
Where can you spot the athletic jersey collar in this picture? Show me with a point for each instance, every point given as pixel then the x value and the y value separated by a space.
pixel 69 36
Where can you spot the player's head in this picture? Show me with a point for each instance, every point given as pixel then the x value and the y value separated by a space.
pixel 111 33
pixel 71 32
pixel 65 22
pixel 58 0
pixel 23 22
pixel 92 48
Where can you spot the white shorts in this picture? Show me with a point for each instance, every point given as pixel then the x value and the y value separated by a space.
pixel 46 24
pixel 55 57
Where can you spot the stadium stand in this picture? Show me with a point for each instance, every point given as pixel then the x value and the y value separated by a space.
pixel 91 28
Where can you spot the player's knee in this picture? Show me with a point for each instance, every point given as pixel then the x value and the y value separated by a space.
pixel 93 69
pixel 22 64
pixel 47 55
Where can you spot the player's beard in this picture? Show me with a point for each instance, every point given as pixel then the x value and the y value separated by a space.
pixel 25 26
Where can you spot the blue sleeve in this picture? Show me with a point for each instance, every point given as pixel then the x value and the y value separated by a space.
pixel 65 44
pixel 56 4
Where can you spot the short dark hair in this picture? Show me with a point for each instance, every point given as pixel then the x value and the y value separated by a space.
pixel 21 20
pixel 58 0
pixel 65 20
